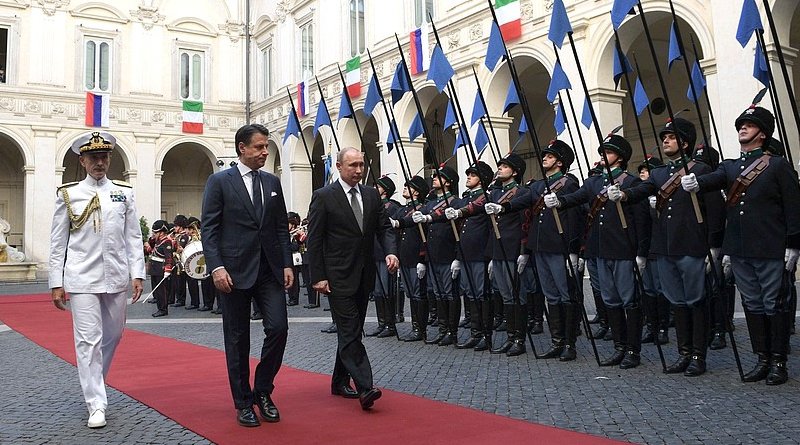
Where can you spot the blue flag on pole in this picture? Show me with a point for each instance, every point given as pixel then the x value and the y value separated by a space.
pixel 749 21
pixel 416 129
pixel 481 139
pixel 400 83
pixel 449 116
pixel 760 67
pixel 674 48
pixel 292 127
pixel 478 110
pixel 620 10
pixel 512 98
pixel 586 116
pixel 640 98
pixel 559 122
pixel 459 142
pixel 373 96
pixel 345 110
pixel 440 71
pixel 390 140
pixel 523 126
pixel 559 23
pixel 496 49
pixel 698 81
pixel 621 66
pixel 323 118
pixel 558 82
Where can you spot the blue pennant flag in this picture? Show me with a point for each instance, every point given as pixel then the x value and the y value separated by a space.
pixel 559 23
pixel 292 127
pixel 674 48
pixel 558 82
pixel 760 67
pixel 512 98
pixel 749 21
pixel 586 116
pixel 559 123
pixel 459 142
pixel 345 110
pixel 440 71
pixel 621 66
pixel 620 10
pixel 523 126
pixel 478 110
pixel 373 96
pixel 481 139
pixel 416 129
pixel 640 98
pixel 391 140
pixel 496 50
pixel 400 83
pixel 449 116
pixel 323 118
pixel 698 81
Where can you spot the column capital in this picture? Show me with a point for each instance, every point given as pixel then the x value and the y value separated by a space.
pixel 41 131
pixel 146 138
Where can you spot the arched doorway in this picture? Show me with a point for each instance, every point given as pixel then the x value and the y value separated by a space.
pixel 273 164
pixel 186 168
pixel 12 189
pixel 371 137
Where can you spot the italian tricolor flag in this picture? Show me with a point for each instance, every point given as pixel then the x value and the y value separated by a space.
pixel 192 117
pixel 353 76
pixel 509 19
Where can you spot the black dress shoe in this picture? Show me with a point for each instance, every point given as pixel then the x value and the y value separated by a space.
pixel 267 407
pixel 204 309
pixel 216 311
pixel 330 329
pixel 190 307
pixel 292 303
pixel 368 398
pixel 256 316
pixel 345 391
pixel 247 417
pixel 310 306
pixel 159 313
pixel 178 304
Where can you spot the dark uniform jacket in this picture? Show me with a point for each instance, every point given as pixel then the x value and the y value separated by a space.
pixel 391 207
pixel 410 248
pixel 513 227
pixel 161 259
pixel 475 228
pixel 441 241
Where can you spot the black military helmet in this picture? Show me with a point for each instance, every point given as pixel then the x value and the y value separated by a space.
pixel 707 155
pixel 180 221
pixel 192 221
pixel 759 116
pixel 483 171
pixel 293 218
pixel 685 130
pixel 618 145
pixel 449 174
pixel 650 163
pixel 562 151
pixel 516 163
pixel 775 147
pixel 160 226
pixel 419 184
pixel 388 185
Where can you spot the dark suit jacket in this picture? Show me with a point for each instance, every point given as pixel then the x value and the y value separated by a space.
pixel 232 235
pixel 337 249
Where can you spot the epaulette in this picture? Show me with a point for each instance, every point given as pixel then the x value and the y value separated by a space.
pixel 69 184
pixel 122 183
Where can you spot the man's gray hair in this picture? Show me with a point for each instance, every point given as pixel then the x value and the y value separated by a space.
pixel 345 150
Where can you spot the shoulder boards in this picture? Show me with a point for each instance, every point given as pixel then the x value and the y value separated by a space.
pixel 69 184
pixel 121 183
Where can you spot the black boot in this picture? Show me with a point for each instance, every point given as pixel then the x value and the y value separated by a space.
pixel 467 313
pixel 650 310
pixel 475 331
pixel 683 334
pixel 718 340
pixel 487 323
pixel 537 319
pixel 379 309
pixel 452 314
pixel 389 314
pixel 697 366
pixel 441 313
pixel 601 331
pixel 571 320
pixel 757 325
pixel 508 312
pixel 616 320
pixel 634 343
pixel 664 309
pixel 778 374
pixel 400 308
pixel 416 332
pixel 500 324
pixel 779 331
pixel 520 324
pixel 556 324
pixel 433 307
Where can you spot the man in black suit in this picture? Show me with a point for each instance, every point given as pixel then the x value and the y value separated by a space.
pixel 246 245
pixel 346 218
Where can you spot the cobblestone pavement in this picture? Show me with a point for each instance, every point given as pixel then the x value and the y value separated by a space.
pixel 640 405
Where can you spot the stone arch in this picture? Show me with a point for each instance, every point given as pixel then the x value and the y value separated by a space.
pixel 273 164
pixel 211 152
pixel 66 159
pixel 21 140
pixel 185 168
pixel 406 109
pixel 100 11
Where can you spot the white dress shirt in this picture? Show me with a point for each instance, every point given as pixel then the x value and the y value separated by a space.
pixel 248 180
pixel 346 187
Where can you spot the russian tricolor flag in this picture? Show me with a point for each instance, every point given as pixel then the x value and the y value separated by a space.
pixel 302 99
pixel 420 58
pixel 97 110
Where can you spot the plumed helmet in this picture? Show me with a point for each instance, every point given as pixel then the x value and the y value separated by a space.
pixel 650 163
pixel 562 151
pixel 618 145
pixel 449 174
pixel 707 155
pixel 760 116
pixel 483 171
pixel 293 218
pixel 419 184
pixel 516 163
pixel 685 130
pixel 387 184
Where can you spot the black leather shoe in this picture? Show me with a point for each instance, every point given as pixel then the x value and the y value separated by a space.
pixel 178 304
pixel 778 374
pixel 679 366
pixel 267 408
pixel 537 327
pixel 484 344
pixel 718 342
pixel 435 340
pixel 615 359
pixel 331 329
pixel 159 313
pixel 600 332
pixel 631 360
pixel 204 309
pixel 662 337
pixel 568 354
pixel 345 391
pixel 378 329
pixel 256 316
pixel 247 417
pixel 470 343
pixel 517 348
pixel 191 307
pixel 390 331
pixel 311 306
pixel 503 348
pixel 368 398
pixel 292 303
pixel 216 311
pixel 760 371
pixel 696 367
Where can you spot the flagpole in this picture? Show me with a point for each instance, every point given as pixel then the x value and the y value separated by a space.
pixel 571 138
pixel 574 117
pixel 774 96
pixel 488 118
pixel 302 136
pixel 327 110
pixel 488 142
pixel 708 101
pixel 623 61
pixel 358 126
pixel 650 112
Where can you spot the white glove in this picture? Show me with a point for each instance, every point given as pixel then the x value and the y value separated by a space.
pixel 614 193
pixel 641 262
pixel 452 213
pixel 395 223
pixel 653 201
pixel 418 217
pixel 581 266
pixel 726 265
pixel 490 270
pixel 421 269
pixel 791 258
pixel 455 268
pixel 551 200
pixel 492 208
pixel 689 183
pixel 522 261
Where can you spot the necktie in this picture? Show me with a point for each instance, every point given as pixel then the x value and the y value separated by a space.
pixel 257 201
pixel 356 208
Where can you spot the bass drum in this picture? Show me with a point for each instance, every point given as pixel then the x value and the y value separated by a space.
pixel 193 260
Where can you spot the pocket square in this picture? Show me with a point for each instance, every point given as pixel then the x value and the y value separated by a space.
pixel 273 194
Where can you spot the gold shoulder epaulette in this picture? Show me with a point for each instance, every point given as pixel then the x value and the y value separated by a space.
pixel 121 183
pixel 69 184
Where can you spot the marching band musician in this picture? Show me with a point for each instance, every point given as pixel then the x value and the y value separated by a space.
pixel 159 267
pixel 297 239
pixel 180 240
pixel 192 234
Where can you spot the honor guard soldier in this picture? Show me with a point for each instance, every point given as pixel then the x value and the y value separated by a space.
pixel 181 239
pixel 95 256
pixel 384 293
pixel 296 244
pixel 618 250
pixel 470 267
pixel 508 254
pixel 441 253
pixel 762 237
pixel 159 266
pixel 412 256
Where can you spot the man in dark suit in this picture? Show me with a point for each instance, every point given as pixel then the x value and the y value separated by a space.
pixel 246 245
pixel 346 218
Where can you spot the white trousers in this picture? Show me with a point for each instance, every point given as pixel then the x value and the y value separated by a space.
pixel 97 321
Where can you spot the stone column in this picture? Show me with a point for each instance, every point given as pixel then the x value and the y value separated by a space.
pixel 40 186
pixel 299 198
pixel 141 174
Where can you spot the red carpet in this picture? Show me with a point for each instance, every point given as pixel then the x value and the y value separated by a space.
pixel 145 366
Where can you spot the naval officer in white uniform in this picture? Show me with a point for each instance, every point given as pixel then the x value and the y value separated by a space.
pixel 96 256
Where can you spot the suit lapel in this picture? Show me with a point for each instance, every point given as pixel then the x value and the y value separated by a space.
pixel 241 192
